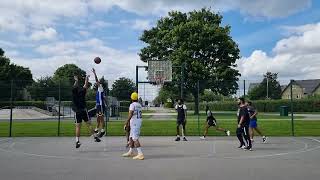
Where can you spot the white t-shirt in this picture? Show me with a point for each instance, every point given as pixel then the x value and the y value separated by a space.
pixel 184 106
pixel 137 111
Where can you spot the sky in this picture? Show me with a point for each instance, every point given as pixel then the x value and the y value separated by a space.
pixel 281 36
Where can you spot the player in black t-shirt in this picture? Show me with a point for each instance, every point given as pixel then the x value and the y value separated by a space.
pixel 211 121
pixel 243 125
pixel 181 119
pixel 80 108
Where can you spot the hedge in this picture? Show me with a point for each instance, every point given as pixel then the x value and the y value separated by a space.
pixel 307 105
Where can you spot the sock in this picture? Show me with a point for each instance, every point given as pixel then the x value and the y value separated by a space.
pixel 139 150
pixel 77 139
pixel 178 136
pixel 102 130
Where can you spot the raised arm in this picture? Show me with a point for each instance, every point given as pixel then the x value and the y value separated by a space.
pixel 95 76
pixel 86 83
pixel 76 81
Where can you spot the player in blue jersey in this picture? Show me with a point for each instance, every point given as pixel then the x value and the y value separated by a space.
pixel 100 106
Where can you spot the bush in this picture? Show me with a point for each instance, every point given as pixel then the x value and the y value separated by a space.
pixel 304 105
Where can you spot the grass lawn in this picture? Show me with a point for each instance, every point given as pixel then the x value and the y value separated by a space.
pixel 160 128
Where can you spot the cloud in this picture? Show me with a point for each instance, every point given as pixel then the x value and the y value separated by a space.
pixel 45 34
pixel 140 24
pixel 294 57
pixel 114 63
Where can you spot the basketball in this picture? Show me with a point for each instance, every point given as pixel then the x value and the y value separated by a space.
pixel 97 60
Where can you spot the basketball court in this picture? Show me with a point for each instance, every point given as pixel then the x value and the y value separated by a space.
pixel 216 158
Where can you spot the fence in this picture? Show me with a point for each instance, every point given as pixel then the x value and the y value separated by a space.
pixel 28 109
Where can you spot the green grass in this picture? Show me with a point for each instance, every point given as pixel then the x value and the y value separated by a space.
pixel 159 128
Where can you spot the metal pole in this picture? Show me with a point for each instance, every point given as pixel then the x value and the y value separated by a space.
pixel 11 106
pixel 292 120
pixel 198 89
pixel 244 88
pixel 267 86
pixel 137 78
pixel 59 108
pixel 182 79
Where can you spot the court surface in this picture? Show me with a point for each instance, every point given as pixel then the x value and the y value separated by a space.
pixel 218 158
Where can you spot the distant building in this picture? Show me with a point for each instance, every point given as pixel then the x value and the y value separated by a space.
pixel 302 89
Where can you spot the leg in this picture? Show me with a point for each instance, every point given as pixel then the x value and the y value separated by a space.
pixel 258 131
pixel 91 130
pixel 183 132
pixel 239 133
pixel 251 133
pixel 206 130
pixel 247 136
pixel 178 131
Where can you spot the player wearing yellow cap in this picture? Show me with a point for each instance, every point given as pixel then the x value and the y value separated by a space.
pixel 134 121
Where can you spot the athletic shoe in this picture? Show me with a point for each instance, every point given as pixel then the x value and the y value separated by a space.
pixel 96 139
pixel 185 139
pixel 248 148
pixel 177 139
pixel 128 154
pixel 264 139
pixel 96 131
pixel 203 138
pixel 228 133
pixel 101 134
pixel 242 147
pixel 139 157
pixel 78 144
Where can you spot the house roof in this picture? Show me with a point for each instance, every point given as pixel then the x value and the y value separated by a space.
pixel 309 86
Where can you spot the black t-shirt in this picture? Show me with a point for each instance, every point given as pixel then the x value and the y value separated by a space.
pixel 211 118
pixel 181 112
pixel 251 111
pixel 79 98
pixel 244 112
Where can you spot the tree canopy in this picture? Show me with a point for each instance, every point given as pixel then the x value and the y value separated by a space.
pixel 197 41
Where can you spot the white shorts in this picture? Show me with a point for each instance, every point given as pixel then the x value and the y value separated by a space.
pixel 135 126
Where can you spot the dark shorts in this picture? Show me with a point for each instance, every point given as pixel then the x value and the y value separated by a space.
pixel 82 115
pixel 100 110
pixel 253 124
pixel 181 122
pixel 212 123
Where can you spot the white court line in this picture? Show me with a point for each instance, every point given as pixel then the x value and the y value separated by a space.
pixel 303 150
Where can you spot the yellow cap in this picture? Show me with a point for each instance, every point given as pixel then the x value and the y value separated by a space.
pixel 134 96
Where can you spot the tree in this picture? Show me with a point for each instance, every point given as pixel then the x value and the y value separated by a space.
pixel 20 76
pixel 63 76
pixel 260 91
pixel 197 41
pixel 66 73
pixel 122 88
pixel 43 88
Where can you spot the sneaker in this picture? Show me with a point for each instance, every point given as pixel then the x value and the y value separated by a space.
pixel 101 134
pixel 242 146
pixel 78 144
pixel 185 139
pixel 96 131
pixel 248 148
pixel 139 157
pixel 128 154
pixel 264 139
pixel 96 139
pixel 228 133
pixel 177 139
pixel 203 138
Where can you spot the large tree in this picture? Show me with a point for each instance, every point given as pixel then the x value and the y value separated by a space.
pixel 197 41
pixel 20 76
pixel 122 88
pixel 269 88
pixel 66 73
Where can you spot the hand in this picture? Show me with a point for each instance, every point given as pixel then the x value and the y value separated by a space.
pixel 87 77
pixel 239 125
pixel 76 78
pixel 125 127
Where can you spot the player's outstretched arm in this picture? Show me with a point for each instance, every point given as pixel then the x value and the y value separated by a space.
pixel 86 83
pixel 76 81
pixel 95 76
